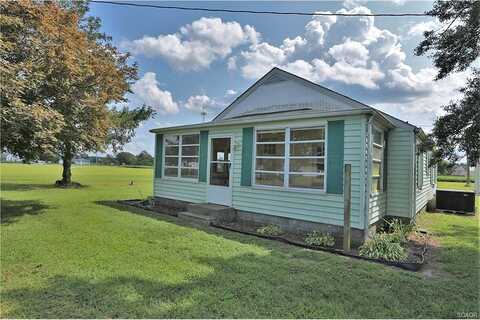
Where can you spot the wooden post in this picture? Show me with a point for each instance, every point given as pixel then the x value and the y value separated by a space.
pixel 347 204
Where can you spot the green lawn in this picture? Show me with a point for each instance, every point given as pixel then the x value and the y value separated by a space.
pixel 455 185
pixel 69 253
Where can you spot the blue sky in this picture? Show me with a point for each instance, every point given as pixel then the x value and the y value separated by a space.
pixel 193 60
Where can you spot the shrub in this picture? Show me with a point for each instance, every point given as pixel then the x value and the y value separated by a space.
pixel 270 230
pixel 399 231
pixel 316 238
pixel 383 246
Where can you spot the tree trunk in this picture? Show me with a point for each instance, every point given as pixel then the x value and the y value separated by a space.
pixel 67 165
pixel 468 173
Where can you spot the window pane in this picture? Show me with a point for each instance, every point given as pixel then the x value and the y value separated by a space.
pixel 270 164
pixel 171 172
pixel 189 173
pixel 307 165
pixel 190 139
pixel 306 181
pixel 376 167
pixel 171 140
pixel 376 184
pixel 220 149
pixel 270 149
pixel 377 153
pixel 307 149
pixel 190 151
pixel 377 137
pixel 307 134
pixel 189 162
pixel 171 161
pixel 219 174
pixel 271 136
pixel 171 151
pixel 269 179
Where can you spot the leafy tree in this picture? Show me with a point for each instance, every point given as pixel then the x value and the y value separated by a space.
pixel 61 74
pixel 458 131
pixel 456 45
pixel 445 167
pixel 126 158
pixel 144 159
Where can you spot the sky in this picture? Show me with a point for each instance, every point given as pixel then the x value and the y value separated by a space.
pixel 189 61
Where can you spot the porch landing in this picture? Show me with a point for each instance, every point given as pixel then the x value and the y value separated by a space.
pixel 207 213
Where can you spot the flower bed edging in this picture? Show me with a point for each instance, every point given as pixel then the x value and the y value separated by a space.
pixel 410 266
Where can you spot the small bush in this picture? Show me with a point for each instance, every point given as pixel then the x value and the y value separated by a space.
pixel 383 246
pixel 270 230
pixel 399 231
pixel 316 238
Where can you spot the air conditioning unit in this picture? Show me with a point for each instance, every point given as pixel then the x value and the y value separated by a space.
pixel 456 201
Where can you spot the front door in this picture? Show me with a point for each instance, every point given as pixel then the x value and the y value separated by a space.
pixel 220 177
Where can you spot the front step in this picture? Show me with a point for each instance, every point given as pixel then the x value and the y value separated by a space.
pixel 218 212
pixel 195 217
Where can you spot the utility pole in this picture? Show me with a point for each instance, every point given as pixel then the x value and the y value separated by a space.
pixel 203 112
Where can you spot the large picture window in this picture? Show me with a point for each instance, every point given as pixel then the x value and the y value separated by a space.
pixel 291 157
pixel 377 161
pixel 181 156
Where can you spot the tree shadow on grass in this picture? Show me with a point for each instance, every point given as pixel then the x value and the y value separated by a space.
pixel 243 286
pixel 25 187
pixel 12 210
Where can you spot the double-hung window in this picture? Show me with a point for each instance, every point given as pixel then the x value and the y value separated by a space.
pixel 307 158
pixel 270 158
pixel 291 158
pixel 377 161
pixel 181 156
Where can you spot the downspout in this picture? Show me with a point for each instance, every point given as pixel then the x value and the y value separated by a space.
pixel 368 182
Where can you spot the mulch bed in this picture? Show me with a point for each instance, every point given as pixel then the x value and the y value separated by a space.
pixel 416 248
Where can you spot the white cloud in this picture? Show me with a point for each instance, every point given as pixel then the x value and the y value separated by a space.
pixel 419 28
pixel 147 89
pixel 261 58
pixel 196 45
pixel 199 103
pixel 230 92
pixel 232 63
pixel 350 52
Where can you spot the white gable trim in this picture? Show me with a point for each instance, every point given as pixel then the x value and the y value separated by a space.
pixel 289 76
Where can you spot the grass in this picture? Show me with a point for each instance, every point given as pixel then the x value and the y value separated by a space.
pixel 72 253
pixel 455 185
pixel 456 178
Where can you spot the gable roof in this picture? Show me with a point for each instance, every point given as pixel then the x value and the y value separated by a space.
pixel 276 75
pixel 292 111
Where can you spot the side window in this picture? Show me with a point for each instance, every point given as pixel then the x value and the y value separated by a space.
pixel 420 168
pixel 377 160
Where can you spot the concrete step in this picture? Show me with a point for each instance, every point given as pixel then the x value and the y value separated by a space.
pixel 195 217
pixel 209 209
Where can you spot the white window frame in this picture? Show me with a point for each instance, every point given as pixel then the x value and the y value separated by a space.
pixel 179 156
pixel 286 157
pixel 381 161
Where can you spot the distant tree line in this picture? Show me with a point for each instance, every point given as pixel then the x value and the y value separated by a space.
pixel 127 158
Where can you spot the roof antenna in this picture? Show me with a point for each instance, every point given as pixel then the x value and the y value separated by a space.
pixel 203 112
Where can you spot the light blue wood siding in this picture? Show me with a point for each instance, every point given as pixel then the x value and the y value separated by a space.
pixel 400 169
pixel 310 206
pixel 180 190
pixel 305 205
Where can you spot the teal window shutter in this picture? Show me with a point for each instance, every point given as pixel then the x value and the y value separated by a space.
pixel 247 155
pixel 203 157
pixel 335 146
pixel 158 155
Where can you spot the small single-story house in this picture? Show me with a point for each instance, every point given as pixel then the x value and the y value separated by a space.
pixel 277 153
